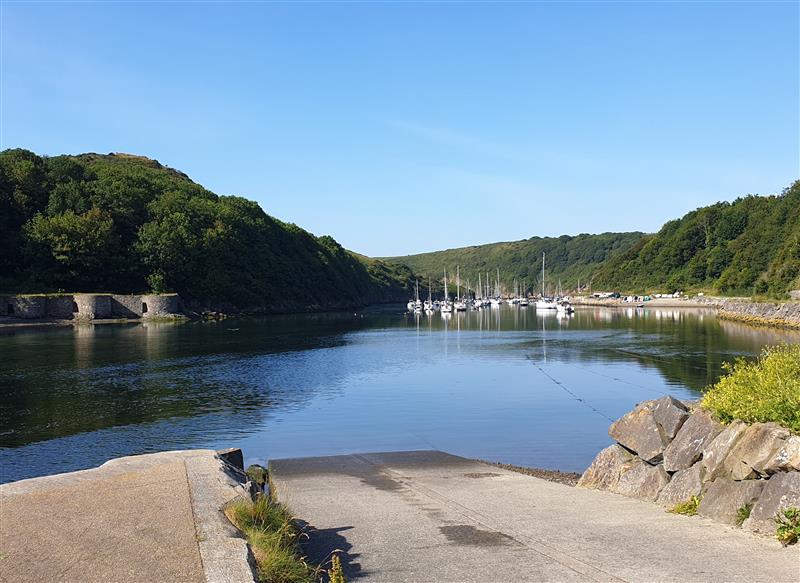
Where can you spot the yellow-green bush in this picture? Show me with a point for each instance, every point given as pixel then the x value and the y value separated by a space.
pixel 766 390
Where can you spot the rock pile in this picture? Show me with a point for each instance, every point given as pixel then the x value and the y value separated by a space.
pixel 668 451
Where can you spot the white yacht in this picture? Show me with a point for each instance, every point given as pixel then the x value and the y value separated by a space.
pixel 545 303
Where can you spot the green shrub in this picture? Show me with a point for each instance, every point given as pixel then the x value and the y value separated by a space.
pixel 788 521
pixel 688 508
pixel 762 391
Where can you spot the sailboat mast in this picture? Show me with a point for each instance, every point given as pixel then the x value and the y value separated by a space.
pixel 543 294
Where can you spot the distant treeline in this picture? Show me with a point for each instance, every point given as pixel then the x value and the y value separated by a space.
pixel 122 223
pixel 750 246
pixel 747 247
pixel 569 260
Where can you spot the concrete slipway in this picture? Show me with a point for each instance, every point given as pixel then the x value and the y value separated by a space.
pixel 431 516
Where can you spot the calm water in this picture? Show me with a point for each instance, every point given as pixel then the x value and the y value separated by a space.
pixel 506 385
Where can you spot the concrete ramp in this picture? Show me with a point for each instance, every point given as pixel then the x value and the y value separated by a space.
pixel 427 516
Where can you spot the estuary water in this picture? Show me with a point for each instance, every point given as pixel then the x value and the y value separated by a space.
pixel 509 385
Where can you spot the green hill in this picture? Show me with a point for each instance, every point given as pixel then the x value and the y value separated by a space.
pixel 569 259
pixel 750 246
pixel 122 223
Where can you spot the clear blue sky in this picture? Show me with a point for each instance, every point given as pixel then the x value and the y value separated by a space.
pixel 407 127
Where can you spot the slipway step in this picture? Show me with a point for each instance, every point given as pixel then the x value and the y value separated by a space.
pixel 422 516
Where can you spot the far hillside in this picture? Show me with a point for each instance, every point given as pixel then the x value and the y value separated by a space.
pixel 750 246
pixel 569 260
pixel 123 223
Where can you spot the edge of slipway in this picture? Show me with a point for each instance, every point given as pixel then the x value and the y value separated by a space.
pixel 212 479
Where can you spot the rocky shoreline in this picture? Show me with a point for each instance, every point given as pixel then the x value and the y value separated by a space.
pixel 674 453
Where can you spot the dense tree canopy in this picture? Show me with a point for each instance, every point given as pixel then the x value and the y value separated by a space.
pixel 746 247
pixel 125 223
pixel 568 260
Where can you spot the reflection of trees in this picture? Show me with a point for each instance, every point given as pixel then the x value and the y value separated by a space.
pixel 70 380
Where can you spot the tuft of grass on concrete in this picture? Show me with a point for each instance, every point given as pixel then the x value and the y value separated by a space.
pixel 271 532
pixel 743 513
pixel 788 526
pixel 688 508
pixel 762 391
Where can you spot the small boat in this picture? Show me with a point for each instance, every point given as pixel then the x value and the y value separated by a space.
pixel 564 307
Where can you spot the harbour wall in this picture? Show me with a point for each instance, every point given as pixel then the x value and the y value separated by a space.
pixel 89 307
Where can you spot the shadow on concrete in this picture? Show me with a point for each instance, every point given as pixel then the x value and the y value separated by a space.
pixel 320 545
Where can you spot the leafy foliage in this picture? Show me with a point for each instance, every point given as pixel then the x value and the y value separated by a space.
pixel 788 526
pixel 569 259
pixel 743 513
pixel 748 247
pixel 125 223
pixel 762 391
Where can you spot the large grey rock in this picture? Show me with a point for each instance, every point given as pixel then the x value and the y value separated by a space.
pixel 782 491
pixel 751 454
pixel 639 432
pixel 787 458
pixel 717 450
pixel 692 438
pixel 683 485
pixel 724 497
pixel 606 468
pixel 641 480
pixel 670 414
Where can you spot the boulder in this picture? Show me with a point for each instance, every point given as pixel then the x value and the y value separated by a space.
pixel 787 458
pixel 640 480
pixel 606 468
pixel 717 450
pixel 683 485
pixel 751 454
pixel 724 497
pixel 669 413
pixel 782 491
pixel 692 438
pixel 639 432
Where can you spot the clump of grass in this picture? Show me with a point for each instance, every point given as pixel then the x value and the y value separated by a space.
pixel 688 508
pixel 335 573
pixel 274 538
pixel 762 391
pixel 743 513
pixel 788 530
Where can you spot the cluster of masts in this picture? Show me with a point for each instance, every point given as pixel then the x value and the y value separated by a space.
pixel 486 294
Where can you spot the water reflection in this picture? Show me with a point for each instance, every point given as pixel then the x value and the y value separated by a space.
pixel 505 383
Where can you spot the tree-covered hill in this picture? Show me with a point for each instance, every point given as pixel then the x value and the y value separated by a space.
pixel 122 223
pixel 568 259
pixel 746 247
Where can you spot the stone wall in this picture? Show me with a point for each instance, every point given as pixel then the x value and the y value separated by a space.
pixel 27 307
pixel 61 307
pixel 667 452
pixel 93 306
pixel 162 305
pixel 90 306
pixel 126 306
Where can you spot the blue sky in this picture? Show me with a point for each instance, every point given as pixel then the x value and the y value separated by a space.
pixel 407 127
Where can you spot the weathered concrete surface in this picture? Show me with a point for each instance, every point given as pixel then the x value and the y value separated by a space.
pixel 781 491
pixel 430 516
pixel 139 519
